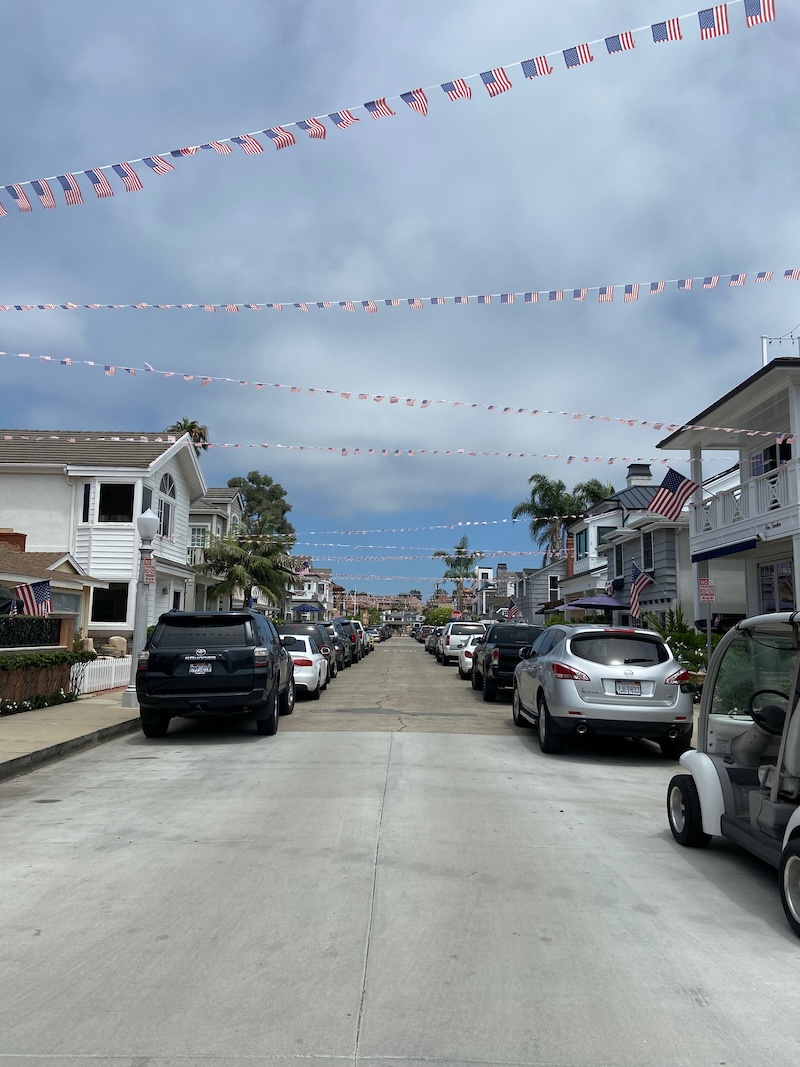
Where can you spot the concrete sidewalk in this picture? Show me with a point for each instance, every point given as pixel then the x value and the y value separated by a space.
pixel 33 738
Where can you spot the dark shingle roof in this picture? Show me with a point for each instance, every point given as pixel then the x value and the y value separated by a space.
pixel 92 449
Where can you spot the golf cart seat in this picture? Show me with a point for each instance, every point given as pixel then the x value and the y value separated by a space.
pixel 789 780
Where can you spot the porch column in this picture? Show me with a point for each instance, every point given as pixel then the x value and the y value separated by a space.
pixel 699 570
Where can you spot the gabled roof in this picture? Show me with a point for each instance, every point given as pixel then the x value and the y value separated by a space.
pixel 98 448
pixel 43 565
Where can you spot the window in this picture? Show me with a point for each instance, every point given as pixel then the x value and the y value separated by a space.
pixel 647 551
pixel 176 600
pixel 198 536
pixel 581 544
pixel 618 564
pixel 553 580
pixel 110 605
pixel 116 503
pixel 776 582
pixel 66 603
pixel 603 532
pixel 147 498
pixel 87 496
pixel 767 459
pixel 166 505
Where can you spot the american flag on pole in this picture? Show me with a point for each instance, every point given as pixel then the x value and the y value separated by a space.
pixel 579 294
pixel 158 164
pixel 250 146
pixel 713 21
pixel 416 100
pixel 37 599
pixel 576 57
pixel 764 276
pixel 672 494
pixel 737 279
pixel 379 109
pixel 496 81
pixel 44 192
pixel 72 192
pixel 711 281
pixel 457 90
pixel 620 42
pixel 343 119
pixel 513 610
pixel 313 128
pixel 656 287
pixel 639 581
pixel 758 11
pixel 631 293
pixel 537 67
pixel 280 137
pixel 130 179
pixel 218 146
pixel 17 194
pixel 667 31
pixel 606 294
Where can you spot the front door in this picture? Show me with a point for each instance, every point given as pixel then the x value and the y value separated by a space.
pixel 776 586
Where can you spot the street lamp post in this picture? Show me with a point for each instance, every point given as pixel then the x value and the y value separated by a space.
pixel 147 525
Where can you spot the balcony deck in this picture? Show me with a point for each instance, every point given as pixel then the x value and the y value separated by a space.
pixel 767 505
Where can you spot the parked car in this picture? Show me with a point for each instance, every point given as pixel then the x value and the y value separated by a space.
pixel 496 655
pixel 310 665
pixel 376 633
pixel 430 640
pixel 353 637
pixel 366 646
pixel 453 637
pixel 423 633
pixel 340 644
pixel 604 680
pixel 202 663
pixel 743 782
pixel 465 656
pixel 321 638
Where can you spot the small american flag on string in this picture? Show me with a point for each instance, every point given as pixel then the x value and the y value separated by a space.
pixel 416 100
pixel 379 109
pixel 44 192
pixel 685 284
pixel 461 300
pixel 758 11
pixel 435 300
pixel 346 305
pixel 713 22
pixel 72 192
pixel 577 56
pixel 130 179
pixel 313 127
pixel 249 145
pixel 792 275
pixel 280 137
pixel 606 294
pixel 158 164
pixel 579 295
pixel 415 303
pixel 302 307
pixel 506 298
pixel 323 305
pixel 109 371
pixel 496 81
pixel 36 599
pixel 232 309
pixel 620 42
pixel 737 279
pixel 369 306
pixel 532 298
pixel 537 67
pixel 667 31
pixel 711 281
pixel 218 146
pixel 457 90
pixel 656 287
pixel 631 293
pixel 210 307
pixel 487 299
pixel 556 295
pixel 274 307
pixel 17 194
pixel 343 119
pixel 764 276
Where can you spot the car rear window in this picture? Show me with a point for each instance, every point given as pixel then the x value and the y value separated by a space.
pixel 516 635
pixel 467 628
pixel 614 650
pixel 294 643
pixel 205 633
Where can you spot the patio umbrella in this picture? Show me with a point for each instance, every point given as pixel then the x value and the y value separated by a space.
pixel 601 602
pixel 306 607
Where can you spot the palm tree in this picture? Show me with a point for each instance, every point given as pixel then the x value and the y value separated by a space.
pixel 244 563
pixel 460 565
pixel 196 430
pixel 551 509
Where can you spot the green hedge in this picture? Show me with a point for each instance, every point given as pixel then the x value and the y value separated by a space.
pixel 21 660
pixel 28 630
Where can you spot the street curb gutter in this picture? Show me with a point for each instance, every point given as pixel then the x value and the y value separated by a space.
pixel 31 760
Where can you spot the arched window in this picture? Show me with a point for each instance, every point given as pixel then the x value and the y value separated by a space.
pixel 166 505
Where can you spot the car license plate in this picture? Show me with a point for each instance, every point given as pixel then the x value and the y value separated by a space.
pixel 199 668
pixel 629 689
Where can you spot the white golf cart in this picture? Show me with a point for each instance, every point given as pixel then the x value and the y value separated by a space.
pixel 743 782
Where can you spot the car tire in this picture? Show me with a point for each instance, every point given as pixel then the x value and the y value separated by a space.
pixel 685 814
pixel 475 680
pixel 489 690
pixel 269 726
pixel 445 661
pixel 154 727
pixel 790 884
pixel 674 748
pixel 516 705
pixel 549 741
pixel 325 686
pixel 315 693
pixel 287 697
pixel 461 674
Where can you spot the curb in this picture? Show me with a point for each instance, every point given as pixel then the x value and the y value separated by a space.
pixel 31 760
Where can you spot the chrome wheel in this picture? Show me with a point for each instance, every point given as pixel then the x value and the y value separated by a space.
pixel 791 886
pixel 676 810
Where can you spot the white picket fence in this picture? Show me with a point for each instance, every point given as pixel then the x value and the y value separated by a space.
pixel 101 674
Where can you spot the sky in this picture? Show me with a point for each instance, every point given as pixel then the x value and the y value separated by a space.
pixel 662 162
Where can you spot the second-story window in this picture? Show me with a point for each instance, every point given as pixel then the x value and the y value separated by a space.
pixel 647 551
pixel 581 544
pixel 116 503
pixel 553 579
pixel 198 536
pixel 618 561
pixel 166 505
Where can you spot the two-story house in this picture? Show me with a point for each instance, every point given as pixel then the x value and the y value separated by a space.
pixel 310 597
pixel 218 513
pixel 755 524
pixel 81 492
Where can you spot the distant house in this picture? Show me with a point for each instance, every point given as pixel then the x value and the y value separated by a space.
pixel 80 493
pixel 310 597
pixel 217 513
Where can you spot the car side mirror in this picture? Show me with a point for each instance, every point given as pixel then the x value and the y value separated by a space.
pixel 525 652
pixel 325 650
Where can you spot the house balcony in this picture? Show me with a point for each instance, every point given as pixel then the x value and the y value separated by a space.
pixel 589 562
pixel 766 508
pixel 195 556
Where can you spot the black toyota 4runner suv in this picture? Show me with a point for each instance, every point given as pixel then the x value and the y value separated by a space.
pixel 203 663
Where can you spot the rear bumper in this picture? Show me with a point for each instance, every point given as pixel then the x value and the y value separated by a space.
pixel 196 705
pixel 655 729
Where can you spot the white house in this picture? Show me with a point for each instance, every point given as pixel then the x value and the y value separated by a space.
pixel 310 596
pixel 216 514
pixel 81 492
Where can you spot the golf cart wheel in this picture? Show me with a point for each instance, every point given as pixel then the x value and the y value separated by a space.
pixel 684 812
pixel 790 884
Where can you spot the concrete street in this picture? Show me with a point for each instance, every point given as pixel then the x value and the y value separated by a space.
pixel 398 878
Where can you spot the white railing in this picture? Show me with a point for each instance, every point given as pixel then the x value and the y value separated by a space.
pixel 101 674
pixel 195 555
pixel 755 499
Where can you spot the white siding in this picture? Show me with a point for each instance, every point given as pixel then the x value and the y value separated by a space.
pixel 39 505
pixel 172 548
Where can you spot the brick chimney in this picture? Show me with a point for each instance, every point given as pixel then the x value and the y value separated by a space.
pixel 13 539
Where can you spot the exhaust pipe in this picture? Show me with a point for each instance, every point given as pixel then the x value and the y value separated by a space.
pixel 673 734
pixel 581 729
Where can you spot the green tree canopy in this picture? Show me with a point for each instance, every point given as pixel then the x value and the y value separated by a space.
pixel 244 563
pixel 438 616
pixel 460 565
pixel 551 509
pixel 265 506
pixel 196 430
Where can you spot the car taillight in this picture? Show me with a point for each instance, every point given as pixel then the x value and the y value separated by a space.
pixel 678 678
pixel 303 662
pixel 260 656
pixel 496 654
pixel 447 639
pixel 467 655
pixel 562 671
pixel 143 660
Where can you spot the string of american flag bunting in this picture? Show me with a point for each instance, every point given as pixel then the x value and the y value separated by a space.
pixel 712 22
pixel 630 292
pixel 110 370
